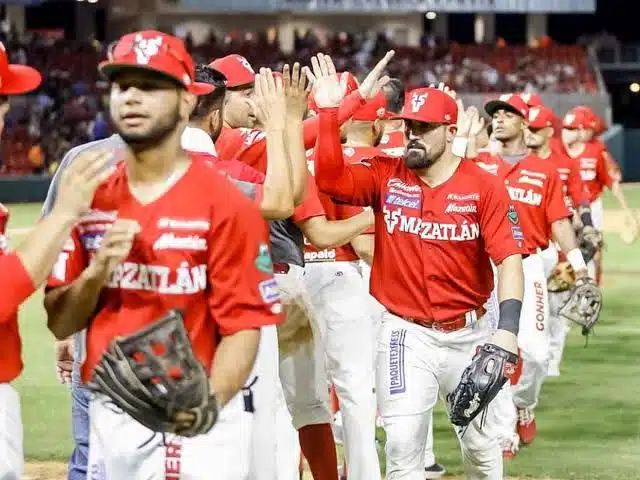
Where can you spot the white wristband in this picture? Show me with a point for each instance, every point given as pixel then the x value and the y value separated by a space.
pixel 459 146
pixel 576 260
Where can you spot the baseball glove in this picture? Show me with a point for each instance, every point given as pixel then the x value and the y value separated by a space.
pixel 562 278
pixel 154 377
pixel 589 241
pixel 584 305
pixel 481 381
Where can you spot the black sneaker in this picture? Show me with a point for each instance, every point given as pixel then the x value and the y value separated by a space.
pixel 434 471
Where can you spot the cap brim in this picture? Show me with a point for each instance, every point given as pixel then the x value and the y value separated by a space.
pixel 494 105
pixel 110 69
pixel 20 79
pixel 200 88
pixel 416 118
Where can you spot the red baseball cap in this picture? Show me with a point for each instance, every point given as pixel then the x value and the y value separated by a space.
pixel 156 52
pixel 237 69
pixel 531 99
pixel 540 117
pixel 16 79
pixel 429 105
pixel 374 109
pixel 579 117
pixel 510 102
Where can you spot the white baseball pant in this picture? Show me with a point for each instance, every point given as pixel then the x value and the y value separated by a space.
pixel 533 338
pixel 302 373
pixel 120 447
pixel 549 259
pixel 559 328
pixel 268 428
pixel 343 313
pixel 415 366
pixel 11 453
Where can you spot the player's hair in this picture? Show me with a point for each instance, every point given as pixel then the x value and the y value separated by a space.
pixel 4 99
pixel 394 91
pixel 214 100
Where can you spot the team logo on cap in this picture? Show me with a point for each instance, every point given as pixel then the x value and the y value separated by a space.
pixel 146 48
pixel 245 63
pixel 417 101
pixel 569 118
pixel 505 97
pixel 533 113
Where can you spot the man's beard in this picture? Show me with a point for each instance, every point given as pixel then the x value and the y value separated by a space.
pixel 153 137
pixel 416 156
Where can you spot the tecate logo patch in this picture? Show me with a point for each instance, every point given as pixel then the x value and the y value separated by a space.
pixel 402 201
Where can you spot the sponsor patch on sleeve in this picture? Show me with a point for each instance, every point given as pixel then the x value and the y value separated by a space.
pixel 512 215
pixel 269 290
pixel 517 234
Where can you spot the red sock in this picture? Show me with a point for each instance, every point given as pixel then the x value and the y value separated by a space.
pixel 319 448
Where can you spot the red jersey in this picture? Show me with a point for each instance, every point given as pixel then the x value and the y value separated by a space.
pixel 393 143
pixel 536 190
pixel 432 245
pixel 593 169
pixel 16 286
pixel 209 258
pixel 336 211
pixel 311 206
pixel 575 192
pixel 615 171
pixel 250 146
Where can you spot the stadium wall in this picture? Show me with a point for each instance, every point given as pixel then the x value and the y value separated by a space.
pixel 24 189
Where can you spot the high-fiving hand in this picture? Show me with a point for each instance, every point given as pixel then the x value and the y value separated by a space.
pixel 297 88
pixel 270 100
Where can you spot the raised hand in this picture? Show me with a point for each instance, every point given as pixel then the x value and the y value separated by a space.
pixel 270 100
pixel 470 123
pixel 374 81
pixel 328 90
pixel 79 182
pixel 297 88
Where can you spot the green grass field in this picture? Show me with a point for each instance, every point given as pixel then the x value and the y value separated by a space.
pixel 588 419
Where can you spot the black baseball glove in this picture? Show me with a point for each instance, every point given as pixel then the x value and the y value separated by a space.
pixel 481 381
pixel 154 377
pixel 584 305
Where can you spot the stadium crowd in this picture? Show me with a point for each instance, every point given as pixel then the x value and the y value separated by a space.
pixel 70 105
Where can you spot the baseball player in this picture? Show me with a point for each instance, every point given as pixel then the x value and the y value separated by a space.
pixel 596 168
pixel 536 189
pixel 143 249
pixel 453 219
pixel 542 120
pixel 342 306
pixel 24 269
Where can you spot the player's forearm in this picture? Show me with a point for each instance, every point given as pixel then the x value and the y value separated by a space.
pixel 510 294
pixel 70 308
pixel 329 234
pixel 232 364
pixel 350 105
pixel 42 246
pixel 331 172
pixel 563 234
pixel 277 200
pixel 297 159
pixel 363 246
pixel 617 192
